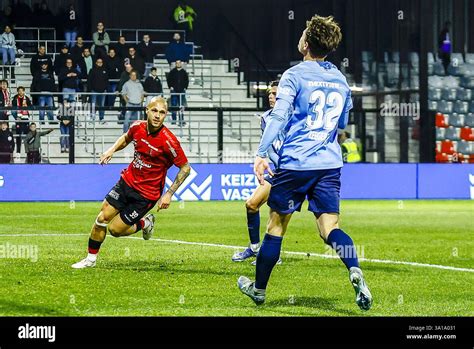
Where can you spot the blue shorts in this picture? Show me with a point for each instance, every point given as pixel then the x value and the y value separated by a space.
pixel 269 179
pixel 321 187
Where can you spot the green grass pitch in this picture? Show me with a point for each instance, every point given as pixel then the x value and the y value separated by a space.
pixel 144 278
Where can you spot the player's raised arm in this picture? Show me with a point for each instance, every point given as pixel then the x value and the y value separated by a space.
pixel 183 173
pixel 119 144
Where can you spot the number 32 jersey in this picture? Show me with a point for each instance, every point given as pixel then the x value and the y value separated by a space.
pixel 321 100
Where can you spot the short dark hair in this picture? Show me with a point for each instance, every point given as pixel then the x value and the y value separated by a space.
pixel 20 88
pixel 4 81
pixel 32 123
pixel 323 35
pixel 274 83
pixel 153 69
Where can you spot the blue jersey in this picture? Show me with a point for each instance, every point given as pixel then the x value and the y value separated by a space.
pixel 277 143
pixel 321 100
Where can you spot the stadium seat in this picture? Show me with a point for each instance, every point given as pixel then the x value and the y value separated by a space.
pixel 414 59
pixel 435 82
pixel 457 58
pixel 445 107
pixel 448 94
pixel 447 147
pixel 438 68
pixel 434 94
pixel 470 58
pixel 452 133
pixel 461 107
pixel 465 148
pixel 469 120
pixel 455 70
pixel 442 158
pixel 464 94
pixel 431 58
pixel 471 107
pixel 441 120
pixel 396 57
pixel 367 56
pixel 432 105
pixel 467 82
pixel 440 133
pixel 456 120
pixel 467 133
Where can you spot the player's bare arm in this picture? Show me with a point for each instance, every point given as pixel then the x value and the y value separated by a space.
pixel 183 173
pixel 121 143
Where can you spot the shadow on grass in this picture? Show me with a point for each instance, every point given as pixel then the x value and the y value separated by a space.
pixel 22 309
pixel 321 303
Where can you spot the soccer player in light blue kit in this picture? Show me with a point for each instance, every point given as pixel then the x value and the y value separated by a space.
pixel 310 157
pixel 260 195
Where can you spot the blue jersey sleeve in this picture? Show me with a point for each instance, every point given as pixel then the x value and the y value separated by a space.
pixel 344 118
pixel 288 87
pixel 277 121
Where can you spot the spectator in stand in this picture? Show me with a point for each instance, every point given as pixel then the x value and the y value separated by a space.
pixel 43 16
pixel 147 50
pixel 133 95
pixel 33 144
pixel 114 67
pixel 101 41
pixel 5 100
pixel 22 116
pixel 59 63
pixel 60 60
pixel 124 77
pixel 152 85
pixel 69 77
pixel 5 17
pixel 86 63
pixel 445 46
pixel 7 143
pixel 38 59
pixel 65 118
pixel 177 51
pixel 21 16
pixel 84 66
pixel 77 50
pixel 70 23
pixel 8 45
pixel 136 61
pixel 97 84
pixel 178 82
pixel 121 48
pixel 43 82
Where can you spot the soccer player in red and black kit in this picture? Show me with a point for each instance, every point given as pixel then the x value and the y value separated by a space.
pixel 124 210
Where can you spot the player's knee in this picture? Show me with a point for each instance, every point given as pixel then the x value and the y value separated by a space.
pixel 101 220
pixel 114 232
pixel 251 206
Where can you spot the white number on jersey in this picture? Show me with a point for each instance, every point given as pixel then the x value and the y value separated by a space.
pixel 324 111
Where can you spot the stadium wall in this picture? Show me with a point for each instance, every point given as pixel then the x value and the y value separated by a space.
pixel 236 182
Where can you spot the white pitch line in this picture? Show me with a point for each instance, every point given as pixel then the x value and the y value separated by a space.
pixel 308 254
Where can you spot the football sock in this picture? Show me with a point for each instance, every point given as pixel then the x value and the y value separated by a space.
pixel 266 259
pixel 253 224
pixel 142 224
pixel 344 246
pixel 93 249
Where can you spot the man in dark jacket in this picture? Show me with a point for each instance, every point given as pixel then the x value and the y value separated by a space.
pixel 147 50
pixel 152 85
pixel 7 144
pixel 115 67
pixel 97 84
pixel 121 48
pixel 59 63
pixel 178 82
pixel 77 49
pixel 136 61
pixel 43 81
pixel 69 78
pixel 177 50
pixel 124 77
pixel 38 59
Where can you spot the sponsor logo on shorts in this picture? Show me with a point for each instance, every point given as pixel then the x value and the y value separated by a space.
pixel 114 195
pixel 134 215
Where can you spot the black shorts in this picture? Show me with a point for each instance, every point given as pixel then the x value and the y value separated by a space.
pixel 131 204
